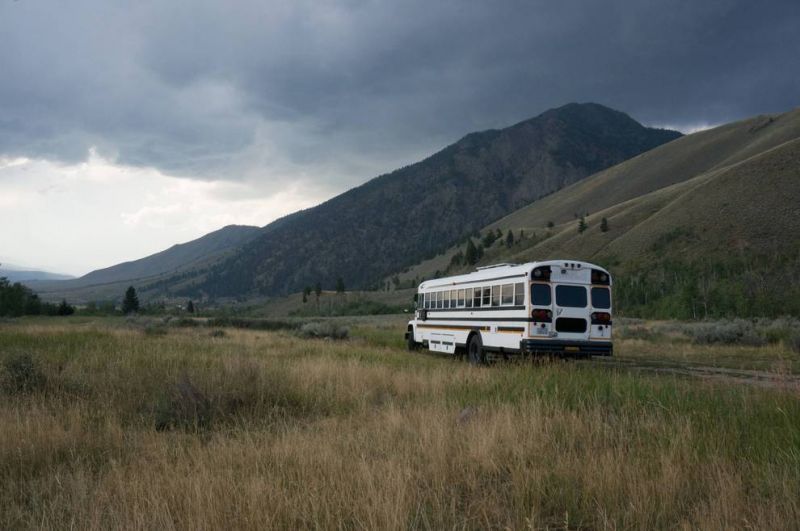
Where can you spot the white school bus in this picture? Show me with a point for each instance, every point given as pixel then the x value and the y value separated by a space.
pixel 555 307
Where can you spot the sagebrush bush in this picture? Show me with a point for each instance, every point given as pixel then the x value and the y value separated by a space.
pixel 183 406
pixel 636 332
pixel 737 331
pixel 323 330
pixel 794 342
pixel 155 329
pixel 21 374
pixel 780 329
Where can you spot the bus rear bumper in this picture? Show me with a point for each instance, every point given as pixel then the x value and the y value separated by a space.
pixel 566 348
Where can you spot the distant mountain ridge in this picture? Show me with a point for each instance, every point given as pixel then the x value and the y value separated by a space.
pixel 176 257
pixel 402 217
pixel 23 274
pixel 106 283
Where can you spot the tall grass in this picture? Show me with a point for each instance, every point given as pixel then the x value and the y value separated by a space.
pixel 259 429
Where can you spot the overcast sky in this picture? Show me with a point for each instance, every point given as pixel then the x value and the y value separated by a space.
pixel 128 127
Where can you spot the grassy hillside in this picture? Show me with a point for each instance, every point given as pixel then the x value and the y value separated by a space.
pixel 413 213
pixel 665 165
pixel 724 240
pixel 111 425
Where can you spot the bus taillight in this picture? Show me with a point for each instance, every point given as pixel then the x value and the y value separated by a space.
pixel 542 316
pixel 601 318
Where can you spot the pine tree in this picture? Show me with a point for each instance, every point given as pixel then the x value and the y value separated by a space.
pixel 190 307
pixel 582 226
pixel 509 238
pixel 550 225
pixel 604 225
pixel 471 253
pixel 130 304
pixel 65 309
pixel 457 260
pixel 318 290
pixel 339 285
pixel 306 293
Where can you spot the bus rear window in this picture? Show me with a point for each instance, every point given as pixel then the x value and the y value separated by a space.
pixel 601 298
pixel 540 295
pixel 571 296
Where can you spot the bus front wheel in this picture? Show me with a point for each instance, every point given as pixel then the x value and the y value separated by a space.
pixel 475 352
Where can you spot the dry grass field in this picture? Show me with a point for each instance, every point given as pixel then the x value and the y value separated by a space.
pixel 110 424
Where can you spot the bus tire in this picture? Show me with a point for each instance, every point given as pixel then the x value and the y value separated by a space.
pixel 475 353
pixel 411 345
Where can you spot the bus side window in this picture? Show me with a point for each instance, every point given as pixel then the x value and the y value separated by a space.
pixel 438 299
pixel 446 299
pixel 519 294
pixel 495 295
pixel 507 291
pixel 468 299
pixel 461 298
pixel 487 296
pixel 477 298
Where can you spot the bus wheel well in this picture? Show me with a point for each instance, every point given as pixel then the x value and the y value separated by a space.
pixel 472 334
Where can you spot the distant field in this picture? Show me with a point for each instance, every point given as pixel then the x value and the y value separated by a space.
pixel 140 424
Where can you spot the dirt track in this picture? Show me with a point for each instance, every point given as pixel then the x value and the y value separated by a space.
pixel 722 374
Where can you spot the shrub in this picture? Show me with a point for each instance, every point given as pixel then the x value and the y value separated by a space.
pixel 22 374
pixel 155 329
pixel 737 331
pixel 794 342
pixel 252 324
pixel 636 332
pixel 780 329
pixel 183 406
pixel 185 322
pixel 323 330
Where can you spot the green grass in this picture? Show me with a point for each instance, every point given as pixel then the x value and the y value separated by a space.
pixel 254 429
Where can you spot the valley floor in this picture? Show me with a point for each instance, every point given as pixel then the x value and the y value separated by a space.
pixel 109 423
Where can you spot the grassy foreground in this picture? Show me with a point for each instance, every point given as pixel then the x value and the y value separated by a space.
pixel 106 425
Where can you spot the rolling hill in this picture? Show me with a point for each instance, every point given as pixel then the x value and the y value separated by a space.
pixel 181 259
pixel 398 219
pixel 707 224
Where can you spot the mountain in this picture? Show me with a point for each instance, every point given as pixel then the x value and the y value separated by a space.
pixel 398 219
pixel 706 225
pixel 24 274
pixel 181 259
pixel 176 257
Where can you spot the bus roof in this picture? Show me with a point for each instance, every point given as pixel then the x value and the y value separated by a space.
pixel 505 271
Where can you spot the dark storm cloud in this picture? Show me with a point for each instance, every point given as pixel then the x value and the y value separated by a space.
pixel 253 90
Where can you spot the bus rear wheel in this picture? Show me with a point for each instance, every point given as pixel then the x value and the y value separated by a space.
pixel 475 352
pixel 411 345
